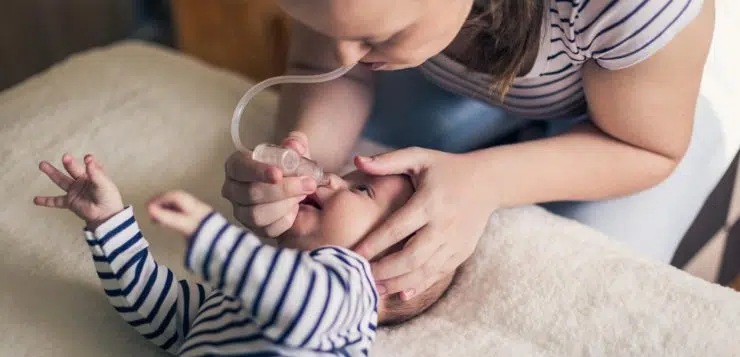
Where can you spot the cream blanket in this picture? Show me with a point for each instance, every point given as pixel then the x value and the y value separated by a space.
pixel 538 285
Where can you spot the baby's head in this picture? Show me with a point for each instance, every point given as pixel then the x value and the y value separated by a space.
pixel 346 210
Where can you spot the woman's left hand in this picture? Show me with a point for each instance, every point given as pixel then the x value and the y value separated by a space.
pixel 446 215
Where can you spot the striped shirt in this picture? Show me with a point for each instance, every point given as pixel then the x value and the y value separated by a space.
pixel 256 300
pixel 614 34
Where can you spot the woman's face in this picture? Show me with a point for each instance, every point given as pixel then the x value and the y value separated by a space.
pixel 386 34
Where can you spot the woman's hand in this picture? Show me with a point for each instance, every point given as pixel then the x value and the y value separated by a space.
pixel 446 216
pixel 89 192
pixel 264 200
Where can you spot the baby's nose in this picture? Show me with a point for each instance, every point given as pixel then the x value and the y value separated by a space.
pixel 337 183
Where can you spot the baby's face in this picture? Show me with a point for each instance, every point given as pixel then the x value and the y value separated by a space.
pixel 345 211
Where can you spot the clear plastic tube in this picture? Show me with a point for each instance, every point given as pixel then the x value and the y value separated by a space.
pixel 287 160
pixel 247 97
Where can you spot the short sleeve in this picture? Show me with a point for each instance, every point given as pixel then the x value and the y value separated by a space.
pixel 619 34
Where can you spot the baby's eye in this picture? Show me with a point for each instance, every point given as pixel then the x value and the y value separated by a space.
pixel 366 189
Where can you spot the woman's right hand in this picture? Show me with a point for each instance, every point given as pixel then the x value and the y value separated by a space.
pixel 263 200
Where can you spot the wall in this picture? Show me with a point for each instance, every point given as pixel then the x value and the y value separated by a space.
pixel 34 34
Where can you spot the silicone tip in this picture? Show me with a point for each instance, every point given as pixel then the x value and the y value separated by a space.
pixel 324 180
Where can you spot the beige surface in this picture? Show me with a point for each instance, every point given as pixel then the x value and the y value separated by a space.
pixel 538 286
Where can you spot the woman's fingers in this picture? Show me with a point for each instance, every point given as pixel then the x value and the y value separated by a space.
pixel 53 202
pixel 408 161
pixel 401 224
pixel 265 214
pixel 418 280
pixel 297 141
pixel 282 225
pixel 414 255
pixel 72 166
pixel 258 192
pixel 56 176
pixel 240 167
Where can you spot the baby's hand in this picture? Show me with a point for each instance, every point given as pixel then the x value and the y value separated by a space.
pixel 91 194
pixel 178 210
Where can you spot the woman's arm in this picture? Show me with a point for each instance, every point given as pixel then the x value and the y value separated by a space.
pixel 642 119
pixel 331 114
pixel 641 126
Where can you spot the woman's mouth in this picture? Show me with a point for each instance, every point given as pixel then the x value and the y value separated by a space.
pixel 375 66
pixel 311 200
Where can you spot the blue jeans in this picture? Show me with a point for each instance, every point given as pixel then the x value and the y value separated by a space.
pixel 411 111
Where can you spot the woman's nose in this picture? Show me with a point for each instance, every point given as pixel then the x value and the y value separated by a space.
pixel 351 52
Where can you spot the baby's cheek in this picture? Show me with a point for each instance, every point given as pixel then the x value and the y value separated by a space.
pixel 345 230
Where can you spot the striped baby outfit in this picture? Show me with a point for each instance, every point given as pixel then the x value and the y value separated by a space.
pixel 255 299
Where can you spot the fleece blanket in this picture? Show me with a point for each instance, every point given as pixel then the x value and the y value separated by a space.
pixel 538 285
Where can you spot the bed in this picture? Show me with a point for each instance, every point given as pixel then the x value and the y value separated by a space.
pixel 538 285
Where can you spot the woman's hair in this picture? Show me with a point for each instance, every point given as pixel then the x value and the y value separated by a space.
pixel 502 36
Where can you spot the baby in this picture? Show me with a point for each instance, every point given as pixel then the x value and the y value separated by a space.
pixel 310 296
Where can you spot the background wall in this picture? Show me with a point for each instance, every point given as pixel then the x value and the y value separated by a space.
pixel 34 34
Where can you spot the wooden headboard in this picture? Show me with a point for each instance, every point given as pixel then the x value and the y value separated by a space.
pixel 34 34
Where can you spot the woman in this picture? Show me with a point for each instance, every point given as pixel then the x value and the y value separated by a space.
pixel 616 82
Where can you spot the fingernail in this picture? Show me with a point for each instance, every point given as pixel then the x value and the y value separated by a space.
pixel 364 158
pixel 408 294
pixel 293 143
pixel 308 184
pixel 381 289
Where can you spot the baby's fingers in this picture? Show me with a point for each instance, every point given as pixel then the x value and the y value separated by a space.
pixel 178 201
pixel 72 166
pixel 179 211
pixel 173 219
pixel 56 176
pixel 95 171
pixel 53 202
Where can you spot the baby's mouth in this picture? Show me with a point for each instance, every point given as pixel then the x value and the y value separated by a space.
pixel 311 200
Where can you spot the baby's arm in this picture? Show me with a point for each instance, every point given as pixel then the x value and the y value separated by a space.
pixel 324 299
pixel 145 294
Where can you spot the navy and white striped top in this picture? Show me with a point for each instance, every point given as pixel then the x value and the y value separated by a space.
pixel 256 300
pixel 615 34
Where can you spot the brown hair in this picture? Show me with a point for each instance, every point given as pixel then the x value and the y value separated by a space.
pixel 501 39
pixel 397 311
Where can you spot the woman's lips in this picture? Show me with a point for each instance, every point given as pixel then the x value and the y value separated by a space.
pixel 375 66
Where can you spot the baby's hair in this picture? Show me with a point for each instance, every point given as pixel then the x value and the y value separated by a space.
pixel 397 311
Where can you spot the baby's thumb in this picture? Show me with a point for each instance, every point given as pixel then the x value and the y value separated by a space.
pixel 404 161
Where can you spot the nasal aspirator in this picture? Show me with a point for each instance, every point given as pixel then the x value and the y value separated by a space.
pixel 290 162
pixel 287 160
